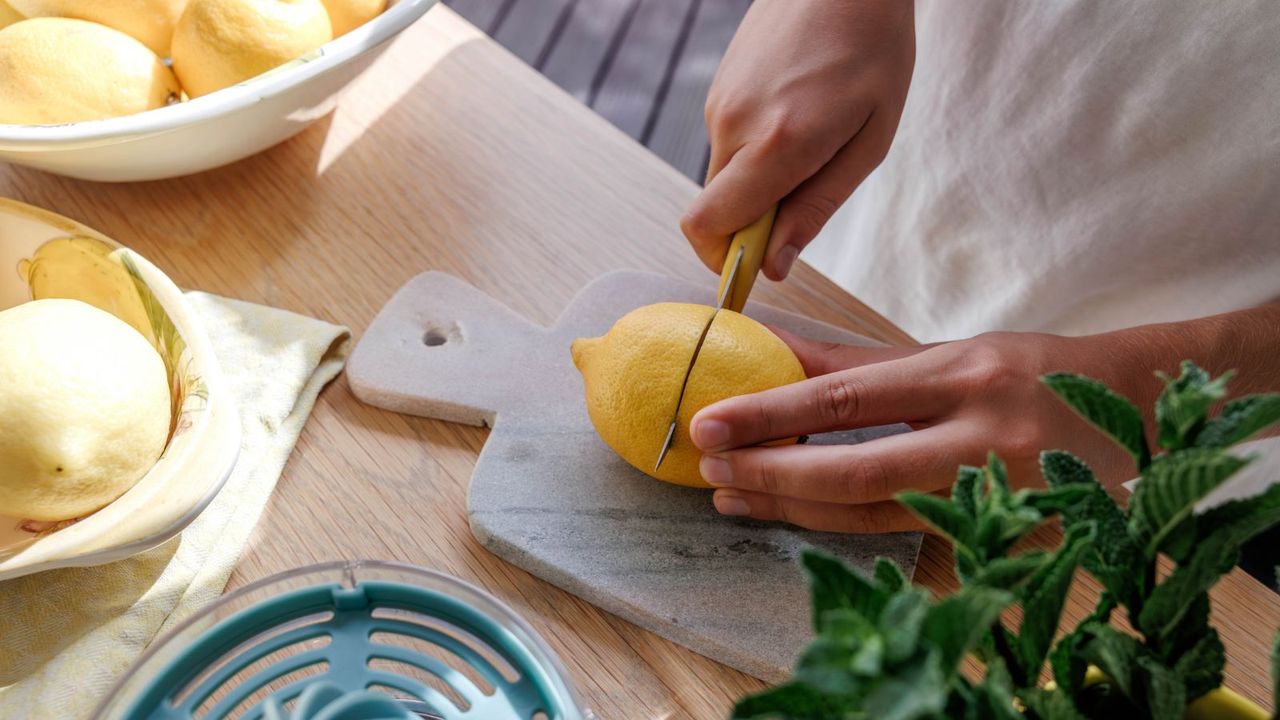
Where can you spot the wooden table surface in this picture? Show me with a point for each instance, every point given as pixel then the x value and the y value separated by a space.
pixel 451 155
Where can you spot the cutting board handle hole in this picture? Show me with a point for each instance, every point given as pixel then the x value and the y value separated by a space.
pixel 434 337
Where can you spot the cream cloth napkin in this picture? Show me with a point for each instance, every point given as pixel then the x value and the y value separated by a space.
pixel 66 635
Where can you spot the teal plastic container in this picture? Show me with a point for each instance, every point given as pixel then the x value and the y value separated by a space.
pixel 349 641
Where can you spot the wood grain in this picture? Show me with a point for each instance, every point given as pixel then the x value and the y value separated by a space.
pixel 451 155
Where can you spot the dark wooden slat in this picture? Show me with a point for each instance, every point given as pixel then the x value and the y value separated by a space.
pixel 634 77
pixel 679 133
pixel 530 26
pixel 583 45
pixel 480 13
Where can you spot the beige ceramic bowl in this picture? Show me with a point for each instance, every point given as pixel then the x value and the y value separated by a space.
pixel 45 255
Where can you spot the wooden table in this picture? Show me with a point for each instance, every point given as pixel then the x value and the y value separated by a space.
pixel 450 155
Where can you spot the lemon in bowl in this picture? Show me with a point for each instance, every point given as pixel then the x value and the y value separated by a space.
pixel 90 401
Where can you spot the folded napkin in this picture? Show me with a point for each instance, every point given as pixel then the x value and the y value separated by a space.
pixel 66 635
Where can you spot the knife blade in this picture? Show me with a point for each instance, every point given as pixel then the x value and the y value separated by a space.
pixel 741 265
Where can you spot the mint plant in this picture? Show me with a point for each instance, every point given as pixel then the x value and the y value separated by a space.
pixel 883 649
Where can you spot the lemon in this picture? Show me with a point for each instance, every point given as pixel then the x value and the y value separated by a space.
pixel 8 15
pixel 347 15
pixel 633 375
pixel 218 43
pixel 84 409
pixel 148 21
pixel 59 70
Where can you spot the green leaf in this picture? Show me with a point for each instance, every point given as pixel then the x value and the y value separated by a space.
pixel 944 515
pixel 1114 557
pixel 1240 419
pixel 1170 488
pixel 1047 705
pixel 1201 667
pixel 890 576
pixel 1165 695
pixel 834 586
pixel 1182 407
pixel 900 624
pixel 1043 597
pixel 997 477
pixel 1110 413
pixel 967 491
pixel 993 699
pixel 793 701
pixel 1189 631
pixel 1065 659
pixel 836 667
pixel 1134 671
pixel 1008 573
pixel 1214 555
pixel 916 691
pixel 1056 500
pixel 956 624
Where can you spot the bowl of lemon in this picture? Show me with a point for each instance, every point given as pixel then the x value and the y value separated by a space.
pixel 125 90
pixel 116 428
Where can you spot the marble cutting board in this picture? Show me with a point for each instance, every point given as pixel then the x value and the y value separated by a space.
pixel 548 495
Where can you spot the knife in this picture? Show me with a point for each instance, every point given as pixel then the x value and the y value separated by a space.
pixel 741 265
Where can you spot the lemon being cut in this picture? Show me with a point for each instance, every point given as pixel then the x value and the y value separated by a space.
pixel 633 375
pixel 84 409
pixel 148 21
pixel 8 15
pixel 218 43
pixel 60 70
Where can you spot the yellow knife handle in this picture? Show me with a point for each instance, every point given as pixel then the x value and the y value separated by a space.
pixel 754 240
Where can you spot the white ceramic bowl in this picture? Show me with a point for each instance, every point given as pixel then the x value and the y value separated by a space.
pixel 213 129
pixel 46 255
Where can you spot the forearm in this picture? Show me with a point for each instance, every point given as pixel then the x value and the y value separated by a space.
pixel 1247 341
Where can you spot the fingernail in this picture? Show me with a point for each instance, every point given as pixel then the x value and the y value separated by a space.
pixel 786 258
pixel 734 505
pixel 715 471
pixel 710 434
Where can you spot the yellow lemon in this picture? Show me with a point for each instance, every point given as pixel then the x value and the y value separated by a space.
pixel 84 409
pixel 347 15
pixel 59 70
pixel 8 15
pixel 218 43
pixel 148 21
pixel 633 375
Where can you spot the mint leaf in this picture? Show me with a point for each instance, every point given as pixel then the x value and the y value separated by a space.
pixel 792 701
pixel 1110 413
pixel 889 575
pixel 916 691
pixel 997 478
pixel 956 624
pixel 943 515
pixel 835 586
pixel 1056 500
pixel 1044 595
pixel 1170 488
pixel 1047 705
pixel 1114 555
pixel 1240 419
pixel 1009 573
pixel 901 622
pixel 993 699
pixel 1165 695
pixel 1135 672
pixel 1201 667
pixel 1181 408
pixel 1214 555
pixel 967 491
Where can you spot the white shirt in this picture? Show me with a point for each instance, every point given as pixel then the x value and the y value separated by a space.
pixel 1073 167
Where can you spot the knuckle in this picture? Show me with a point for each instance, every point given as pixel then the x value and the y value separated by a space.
pixel 809 213
pixel 869 520
pixel 865 481
pixel 768 479
pixel 840 398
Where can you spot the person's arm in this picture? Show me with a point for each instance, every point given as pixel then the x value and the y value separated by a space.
pixel 963 399
pixel 803 107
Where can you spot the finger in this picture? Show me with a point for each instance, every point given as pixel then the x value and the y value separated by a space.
pixel 870 472
pixel 757 176
pixel 819 358
pixel 905 390
pixel 826 517
pixel 807 209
